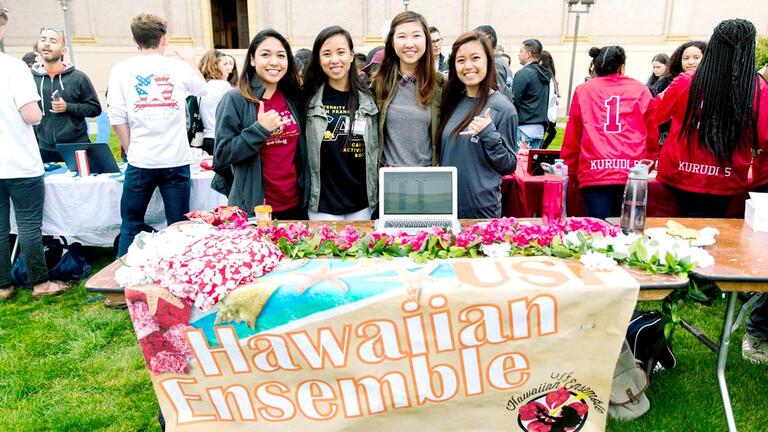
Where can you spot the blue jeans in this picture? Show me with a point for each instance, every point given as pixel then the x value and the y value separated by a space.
pixel 139 185
pixel 533 143
pixel 700 205
pixel 27 195
pixel 757 324
pixel 603 201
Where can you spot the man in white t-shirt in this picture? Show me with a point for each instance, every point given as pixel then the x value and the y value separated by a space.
pixel 21 175
pixel 146 101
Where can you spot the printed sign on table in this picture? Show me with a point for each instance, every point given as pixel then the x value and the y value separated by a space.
pixel 522 343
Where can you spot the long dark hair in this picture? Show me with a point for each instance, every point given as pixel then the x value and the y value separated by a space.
pixel 314 76
pixel 455 89
pixel 663 59
pixel 385 78
pixel 288 84
pixel 547 62
pixel 675 63
pixel 233 76
pixel 721 97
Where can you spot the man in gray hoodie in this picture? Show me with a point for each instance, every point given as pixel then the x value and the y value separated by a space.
pixel 531 94
pixel 67 97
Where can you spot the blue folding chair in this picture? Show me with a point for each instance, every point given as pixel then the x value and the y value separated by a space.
pixel 102 128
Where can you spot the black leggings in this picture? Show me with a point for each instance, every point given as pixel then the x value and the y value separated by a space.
pixel 296 213
pixel 208 145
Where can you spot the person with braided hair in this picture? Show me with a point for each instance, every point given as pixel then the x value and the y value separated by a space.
pixel 707 155
pixel 760 163
pixel 754 346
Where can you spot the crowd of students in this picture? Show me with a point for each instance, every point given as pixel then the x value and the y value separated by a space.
pixel 307 134
pixel 710 101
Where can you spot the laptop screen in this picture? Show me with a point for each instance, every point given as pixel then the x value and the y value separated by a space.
pixel 418 193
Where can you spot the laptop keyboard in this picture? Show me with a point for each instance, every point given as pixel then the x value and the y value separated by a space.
pixel 418 223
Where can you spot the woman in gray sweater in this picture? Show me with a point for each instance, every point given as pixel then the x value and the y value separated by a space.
pixel 408 89
pixel 476 133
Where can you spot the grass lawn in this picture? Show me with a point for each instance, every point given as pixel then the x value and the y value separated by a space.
pixel 69 364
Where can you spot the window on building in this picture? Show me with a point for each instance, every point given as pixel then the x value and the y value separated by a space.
pixel 230 23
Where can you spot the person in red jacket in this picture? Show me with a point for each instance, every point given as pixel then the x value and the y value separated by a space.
pixel 760 163
pixel 609 130
pixel 707 155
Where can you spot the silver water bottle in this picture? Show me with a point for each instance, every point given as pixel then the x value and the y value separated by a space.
pixel 635 198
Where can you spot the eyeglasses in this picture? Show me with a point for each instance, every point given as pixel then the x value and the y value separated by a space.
pixel 436 41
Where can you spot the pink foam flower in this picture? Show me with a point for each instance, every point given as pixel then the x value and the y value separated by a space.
pixel 374 238
pixel 415 241
pixel 445 236
pixel 327 233
pixel 467 236
pixel 533 235
pixel 292 233
pixel 498 230
pixel 346 238
pixel 591 226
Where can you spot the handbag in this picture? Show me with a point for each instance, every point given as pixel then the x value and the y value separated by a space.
pixel 194 122
pixel 645 334
pixel 70 265
pixel 628 400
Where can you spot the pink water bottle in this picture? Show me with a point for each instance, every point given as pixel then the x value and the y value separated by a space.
pixel 552 199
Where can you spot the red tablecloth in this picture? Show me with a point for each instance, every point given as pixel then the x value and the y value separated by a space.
pixel 521 196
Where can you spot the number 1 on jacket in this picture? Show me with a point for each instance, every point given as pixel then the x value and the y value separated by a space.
pixel 612 124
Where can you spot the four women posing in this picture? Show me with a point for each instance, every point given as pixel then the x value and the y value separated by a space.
pixel 315 151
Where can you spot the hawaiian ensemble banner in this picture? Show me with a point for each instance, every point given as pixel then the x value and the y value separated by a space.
pixel 517 343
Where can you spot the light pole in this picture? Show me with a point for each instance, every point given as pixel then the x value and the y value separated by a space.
pixel 67 27
pixel 405 4
pixel 578 12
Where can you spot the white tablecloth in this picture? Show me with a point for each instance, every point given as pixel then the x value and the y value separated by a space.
pixel 87 209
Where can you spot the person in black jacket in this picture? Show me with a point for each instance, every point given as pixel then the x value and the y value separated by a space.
pixel 504 76
pixel 531 94
pixel 437 49
pixel 67 97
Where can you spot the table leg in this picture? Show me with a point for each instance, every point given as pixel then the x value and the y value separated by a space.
pixel 722 357
pixel 743 311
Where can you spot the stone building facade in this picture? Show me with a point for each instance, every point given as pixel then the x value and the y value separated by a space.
pixel 100 32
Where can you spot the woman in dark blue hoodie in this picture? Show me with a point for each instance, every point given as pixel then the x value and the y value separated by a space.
pixel 258 132
pixel 477 128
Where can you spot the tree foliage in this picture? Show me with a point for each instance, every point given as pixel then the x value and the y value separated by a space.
pixel 761 52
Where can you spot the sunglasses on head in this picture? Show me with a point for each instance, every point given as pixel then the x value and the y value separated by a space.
pixel 60 32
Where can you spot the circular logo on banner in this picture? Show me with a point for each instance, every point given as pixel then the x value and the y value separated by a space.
pixel 557 411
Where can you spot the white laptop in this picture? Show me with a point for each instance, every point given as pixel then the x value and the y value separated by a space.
pixel 415 199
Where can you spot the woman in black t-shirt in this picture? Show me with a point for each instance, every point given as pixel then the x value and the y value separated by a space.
pixel 342 140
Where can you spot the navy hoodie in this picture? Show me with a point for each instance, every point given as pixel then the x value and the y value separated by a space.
pixel 531 94
pixel 82 101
